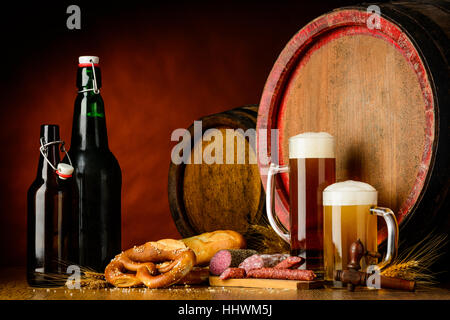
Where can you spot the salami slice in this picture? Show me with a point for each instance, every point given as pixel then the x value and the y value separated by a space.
pixel 262 261
pixel 231 273
pixel 224 259
pixel 285 274
pixel 291 262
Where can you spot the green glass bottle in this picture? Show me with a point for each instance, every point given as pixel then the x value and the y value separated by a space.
pixel 97 172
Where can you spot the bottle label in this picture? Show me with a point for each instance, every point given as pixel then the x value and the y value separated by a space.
pixel 94 112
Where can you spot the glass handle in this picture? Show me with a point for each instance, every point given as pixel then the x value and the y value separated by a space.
pixel 270 200
pixel 392 240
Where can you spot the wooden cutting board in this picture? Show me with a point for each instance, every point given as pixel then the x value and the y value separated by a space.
pixel 265 283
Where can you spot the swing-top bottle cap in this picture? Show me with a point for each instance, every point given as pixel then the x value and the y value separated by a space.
pixel 64 170
pixel 87 59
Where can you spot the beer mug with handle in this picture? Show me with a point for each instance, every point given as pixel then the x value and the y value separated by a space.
pixel 311 168
pixel 350 213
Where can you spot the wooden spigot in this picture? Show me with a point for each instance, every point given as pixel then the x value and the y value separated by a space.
pixel 353 277
pixel 356 253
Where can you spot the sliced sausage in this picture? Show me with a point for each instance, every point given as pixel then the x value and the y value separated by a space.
pixel 224 259
pixel 262 261
pixel 291 262
pixel 230 273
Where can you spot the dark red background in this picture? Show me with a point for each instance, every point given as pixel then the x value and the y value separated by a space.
pixel 163 66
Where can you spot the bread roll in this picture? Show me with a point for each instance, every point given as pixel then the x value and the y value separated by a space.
pixel 168 244
pixel 206 245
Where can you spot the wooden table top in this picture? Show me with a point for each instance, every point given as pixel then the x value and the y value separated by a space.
pixel 13 286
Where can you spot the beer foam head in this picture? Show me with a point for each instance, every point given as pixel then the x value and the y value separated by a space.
pixel 311 145
pixel 349 193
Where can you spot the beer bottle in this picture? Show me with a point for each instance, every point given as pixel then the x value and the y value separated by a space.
pixel 97 172
pixel 52 240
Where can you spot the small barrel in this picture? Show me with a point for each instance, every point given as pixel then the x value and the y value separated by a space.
pixel 225 194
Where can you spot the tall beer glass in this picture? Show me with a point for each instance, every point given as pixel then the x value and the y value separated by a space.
pixel 350 210
pixel 311 168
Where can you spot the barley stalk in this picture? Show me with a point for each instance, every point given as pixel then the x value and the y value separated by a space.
pixel 88 277
pixel 401 270
pixel 262 238
pixel 94 275
pixel 414 262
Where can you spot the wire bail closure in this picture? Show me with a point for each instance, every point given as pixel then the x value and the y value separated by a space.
pixel 68 169
pixel 95 88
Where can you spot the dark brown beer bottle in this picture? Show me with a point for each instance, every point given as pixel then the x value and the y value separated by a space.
pixel 52 240
pixel 97 172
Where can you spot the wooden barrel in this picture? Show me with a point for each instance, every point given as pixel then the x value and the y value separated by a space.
pixel 383 91
pixel 206 197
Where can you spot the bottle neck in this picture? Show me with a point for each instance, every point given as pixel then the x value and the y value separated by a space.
pixel 45 171
pixel 89 123
pixel 86 76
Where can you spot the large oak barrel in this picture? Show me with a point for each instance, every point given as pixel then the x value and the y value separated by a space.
pixel 206 197
pixel 383 91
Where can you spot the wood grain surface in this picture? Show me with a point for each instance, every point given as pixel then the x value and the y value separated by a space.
pixel 265 283
pixel 222 196
pixel 13 286
pixel 371 102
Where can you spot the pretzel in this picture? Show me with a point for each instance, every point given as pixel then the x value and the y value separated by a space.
pixel 165 262
pixel 144 259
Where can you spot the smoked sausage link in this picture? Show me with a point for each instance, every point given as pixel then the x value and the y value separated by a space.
pixel 285 274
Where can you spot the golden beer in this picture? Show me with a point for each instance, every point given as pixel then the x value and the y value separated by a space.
pixel 346 219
